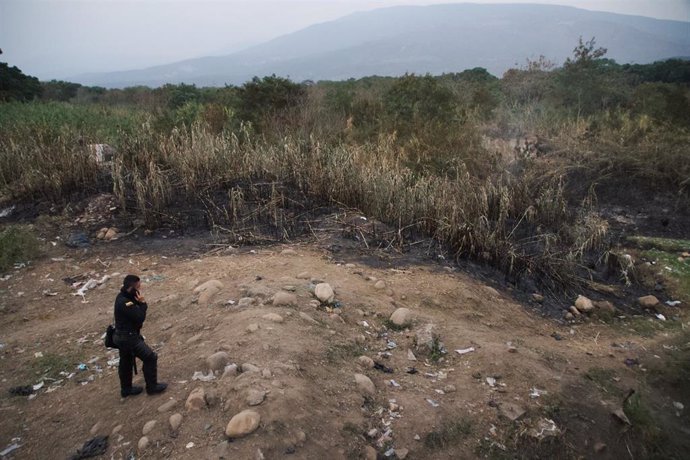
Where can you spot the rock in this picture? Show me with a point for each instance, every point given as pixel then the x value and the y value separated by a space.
pixel 573 309
pixel 426 337
pixel 511 411
pixel 245 302
pixel 148 427
pixel 538 298
pixel 401 317
pixel 370 453
pixel 246 367
pixel 116 430
pixel 648 302
pixel 217 361
pixel 101 233
pixel 380 284
pixel 401 453
pixel 96 428
pixel 175 421
pixel 449 389
pixel 275 317
pixel 212 398
pixel 301 437
pixel 194 339
pixel 196 399
pixel 243 424
pixel 284 298
pixel 266 373
pixel 569 316
pixel 365 384
pixel 605 306
pixel 307 318
pixel 229 371
pixel 255 397
pixel 143 443
pixel 365 362
pixel 167 406
pixel 324 292
pixel 207 290
pixel 411 356
pixel 259 291
pixel 583 304
pixel 253 327
pixel 111 234
pixel 303 276
pixel 288 252
pixel 599 447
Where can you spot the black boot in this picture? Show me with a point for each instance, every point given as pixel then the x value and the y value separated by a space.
pixel 131 391
pixel 157 388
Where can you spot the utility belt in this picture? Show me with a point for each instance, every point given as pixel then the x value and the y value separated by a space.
pixel 122 333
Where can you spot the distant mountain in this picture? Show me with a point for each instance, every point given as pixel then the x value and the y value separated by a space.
pixel 421 39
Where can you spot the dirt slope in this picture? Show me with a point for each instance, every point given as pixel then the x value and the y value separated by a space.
pixel 306 364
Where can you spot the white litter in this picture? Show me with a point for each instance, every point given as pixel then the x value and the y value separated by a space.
pixel 9 449
pixel 661 317
pixel 678 405
pixel 535 393
pixel 4 213
pixel 394 383
pixel 38 354
pixel 38 386
pixel 491 381
pixel 672 303
pixel 189 445
pixel 432 402
pixel 199 375
pixel 464 351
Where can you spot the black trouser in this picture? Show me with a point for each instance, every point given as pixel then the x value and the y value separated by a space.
pixel 132 346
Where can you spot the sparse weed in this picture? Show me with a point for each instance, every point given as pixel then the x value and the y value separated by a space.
pixel 448 434
pixel 17 244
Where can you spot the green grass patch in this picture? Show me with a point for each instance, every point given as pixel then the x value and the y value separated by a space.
pixel 394 327
pixel 51 364
pixel 664 244
pixel 448 434
pixel 646 326
pixel 674 267
pixel 603 378
pixel 343 351
pixel 17 244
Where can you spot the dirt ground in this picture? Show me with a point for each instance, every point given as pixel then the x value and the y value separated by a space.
pixel 567 378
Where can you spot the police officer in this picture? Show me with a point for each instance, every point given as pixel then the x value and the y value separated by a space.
pixel 130 313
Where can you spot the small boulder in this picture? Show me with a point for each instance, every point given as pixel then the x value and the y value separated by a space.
pixel 110 234
pixel 365 362
pixel 167 406
pixel 380 284
pixel 253 327
pixel 284 298
pixel 303 276
pixel 604 306
pixel 148 427
pixel 573 309
pixel 583 304
pixel 648 302
pixel 207 291
pixel 245 302
pixel 217 361
pixel 243 424
pixel 230 371
pixel 255 397
pixel 401 317
pixel 275 317
pixel 307 317
pixel 196 399
pixel 175 421
pixel 365 384
pixel 143 443
pixel 324 292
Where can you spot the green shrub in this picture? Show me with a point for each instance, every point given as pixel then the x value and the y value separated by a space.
pixel 17 244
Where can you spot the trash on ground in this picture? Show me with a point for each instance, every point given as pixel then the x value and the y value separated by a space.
pixel 544 428
pixel 38 354
pixel 631 362
pixel 464 351
pixel 390 345
pixel 661 317
pixel 7 211
pixel 92 448
pixel 199 375
pixel 412 370
pixel 535 393
pixel 381 367
pixel 557 336
pixel 432 402
pixel 38 386
pixel 189 445
pixel 22 390
pixel 9 449
pixel 672 303
pixel 491 381
pixel 82 367
pixel 395 384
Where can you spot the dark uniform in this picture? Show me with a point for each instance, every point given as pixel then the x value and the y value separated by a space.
pixel 129 317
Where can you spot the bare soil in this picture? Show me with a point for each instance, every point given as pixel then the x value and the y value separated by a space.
pixel 313 408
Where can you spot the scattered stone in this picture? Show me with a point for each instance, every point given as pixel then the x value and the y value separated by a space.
pixel 324 292
pixel 259 291
pixel 511 411
pixel 411 356
pixel 583 304
pixel 537 298
pixel 207 290
pixel 599 447
pixel 573 309
pixel 401 317
pixel 648 302
pixel 143 443
pixel 308 318
pixel 449 389
pixel 246 367
pixel 167 406
pixel 304 276
pixel 194 339
pixel 365 384
pixel 230 371
pixel 196 399
pixel 243 424
pixel 426 337
pixel 116 430
pixel 212 398
pixel 245 302
pixel 380 284
pixel 401 453
pixel 175 421
pixel 284 298
pixel 217 361
pixel 605 306
pixel 96 428
pixel 569 316
pixel 370 453
pixel 365 362
pixel 372 433
pixel 148 427
pixel 275 317
pixel 110 234
pixel 255 397
pixel 253 327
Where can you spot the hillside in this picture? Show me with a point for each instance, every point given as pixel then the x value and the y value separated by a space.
pixel 434 39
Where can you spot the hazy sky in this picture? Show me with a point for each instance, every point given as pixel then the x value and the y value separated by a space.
pixel 59 38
